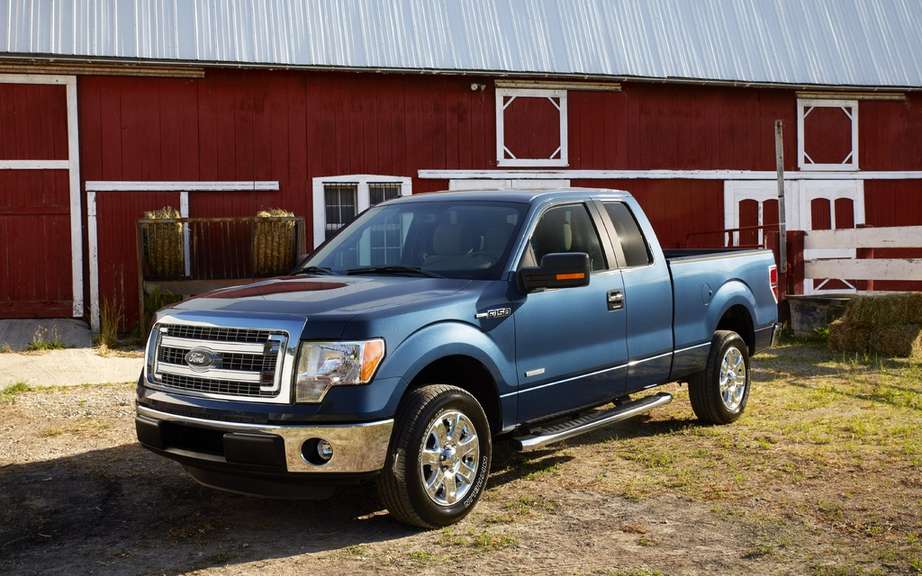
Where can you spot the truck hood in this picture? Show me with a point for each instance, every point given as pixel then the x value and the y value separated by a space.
pixel 327 297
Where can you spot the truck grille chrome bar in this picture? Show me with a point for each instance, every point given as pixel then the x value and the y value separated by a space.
pixel 217 361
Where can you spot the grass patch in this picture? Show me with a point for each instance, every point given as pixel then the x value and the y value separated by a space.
pixel 482 540
pixel 82 426
pixel 5 348
pixel 43 341
pixel 14 390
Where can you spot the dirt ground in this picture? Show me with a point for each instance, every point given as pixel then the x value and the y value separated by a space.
pixel 822 475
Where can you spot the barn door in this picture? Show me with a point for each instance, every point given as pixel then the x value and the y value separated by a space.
pixel 752 205
pixel 831 205
pixel 41 266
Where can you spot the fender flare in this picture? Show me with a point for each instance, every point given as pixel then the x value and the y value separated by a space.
pixel 441 340
pixel 731 293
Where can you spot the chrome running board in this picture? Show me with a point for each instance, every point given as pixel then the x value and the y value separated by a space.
pixel 540 437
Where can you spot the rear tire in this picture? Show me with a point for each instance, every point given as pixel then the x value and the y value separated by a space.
pixel 439 458
pixel 719 394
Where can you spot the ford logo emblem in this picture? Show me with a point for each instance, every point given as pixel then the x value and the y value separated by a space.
pixel 200 359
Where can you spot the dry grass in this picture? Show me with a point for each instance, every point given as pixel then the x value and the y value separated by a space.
pixel 820 477
pixel 43 340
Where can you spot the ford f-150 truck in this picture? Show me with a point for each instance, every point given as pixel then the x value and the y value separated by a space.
pixel 433 324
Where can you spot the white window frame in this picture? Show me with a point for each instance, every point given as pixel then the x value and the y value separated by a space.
pixel 362 201
pixel 804 106
pixel 513 93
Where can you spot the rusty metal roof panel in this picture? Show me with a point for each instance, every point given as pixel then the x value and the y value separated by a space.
pixel 819 42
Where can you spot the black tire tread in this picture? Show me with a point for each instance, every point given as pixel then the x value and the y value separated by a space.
pixel 704 403
pixel 392 484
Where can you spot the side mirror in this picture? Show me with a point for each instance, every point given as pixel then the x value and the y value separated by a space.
pixel 557 270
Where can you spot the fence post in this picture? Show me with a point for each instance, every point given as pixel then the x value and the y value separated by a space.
pixel 794 281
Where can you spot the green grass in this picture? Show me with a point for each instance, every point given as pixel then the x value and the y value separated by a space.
pixel 14 390
pixel 45 345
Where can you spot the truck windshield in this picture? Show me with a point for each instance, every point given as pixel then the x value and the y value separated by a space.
pixel 446 239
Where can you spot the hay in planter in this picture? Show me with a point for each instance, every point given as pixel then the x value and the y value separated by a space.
pixel 885 310
pixel 163 244
pixel 274 242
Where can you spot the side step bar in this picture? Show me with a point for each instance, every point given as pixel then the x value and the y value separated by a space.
pixel 541 437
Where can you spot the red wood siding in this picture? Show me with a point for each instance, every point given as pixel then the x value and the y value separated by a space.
pixel 890 134
pixel 650 126
pixel 294 126
pixel 894 203
pixel 35 253
pixel 531 127
pixel 35 257
pixel 33 122
pixel 675 207
pixel 827 135
pixel 116 216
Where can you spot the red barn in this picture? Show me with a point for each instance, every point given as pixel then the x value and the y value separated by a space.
pixel 112 108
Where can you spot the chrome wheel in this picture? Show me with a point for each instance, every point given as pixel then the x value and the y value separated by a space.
pixel 449 457
pixel 733 379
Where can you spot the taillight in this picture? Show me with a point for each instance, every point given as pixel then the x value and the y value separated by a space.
pixel 773 280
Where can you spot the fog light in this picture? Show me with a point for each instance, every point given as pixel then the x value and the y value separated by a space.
pixel 317 451
pixel 324 450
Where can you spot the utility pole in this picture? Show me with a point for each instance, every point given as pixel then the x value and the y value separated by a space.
pixel 782 228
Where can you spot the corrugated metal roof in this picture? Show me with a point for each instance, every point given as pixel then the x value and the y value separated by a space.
pixel 822 42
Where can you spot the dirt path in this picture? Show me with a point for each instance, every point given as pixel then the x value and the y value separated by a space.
pixel 822 476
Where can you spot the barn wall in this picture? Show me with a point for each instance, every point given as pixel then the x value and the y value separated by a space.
pixel 293 126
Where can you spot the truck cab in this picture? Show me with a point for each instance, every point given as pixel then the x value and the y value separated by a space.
pixel 433 325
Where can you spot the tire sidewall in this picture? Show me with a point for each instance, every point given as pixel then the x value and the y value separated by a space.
pixel 732 339
pixel 428 510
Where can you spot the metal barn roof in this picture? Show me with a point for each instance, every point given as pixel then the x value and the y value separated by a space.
pixel 817 42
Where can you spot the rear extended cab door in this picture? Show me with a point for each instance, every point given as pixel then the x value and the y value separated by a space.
pixel 648 302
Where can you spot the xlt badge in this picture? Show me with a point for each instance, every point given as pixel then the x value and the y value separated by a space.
pixel 494 313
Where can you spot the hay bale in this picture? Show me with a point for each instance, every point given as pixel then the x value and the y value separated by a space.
pixel 274 242
pixel 898 340
pixel 163 244
pixel 901 340
pixel 848 337
pixel 885 309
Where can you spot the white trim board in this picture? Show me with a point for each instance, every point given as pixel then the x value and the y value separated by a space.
pixel 34 164
pixel 95 186
pixel 177 186
pixel 662 175
pixel 71 164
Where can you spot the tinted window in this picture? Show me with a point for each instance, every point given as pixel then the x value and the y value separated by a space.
pixel 633 243
pixel 452 239
pixel 565 229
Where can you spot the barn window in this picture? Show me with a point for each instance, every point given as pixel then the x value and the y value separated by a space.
pixel 827 134
pixel 337 200
pixel 531 127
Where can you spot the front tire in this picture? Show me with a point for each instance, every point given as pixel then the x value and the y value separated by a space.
pixel 719 394
pixel 439 458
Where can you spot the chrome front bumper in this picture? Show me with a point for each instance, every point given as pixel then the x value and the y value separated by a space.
pixel 357 448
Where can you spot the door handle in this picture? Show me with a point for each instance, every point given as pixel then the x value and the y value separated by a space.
pixel 615 299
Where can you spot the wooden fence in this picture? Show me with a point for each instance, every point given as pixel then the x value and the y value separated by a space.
pixel 181 257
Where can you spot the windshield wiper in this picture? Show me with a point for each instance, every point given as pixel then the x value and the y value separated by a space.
pixel 315 270
pixel 396 270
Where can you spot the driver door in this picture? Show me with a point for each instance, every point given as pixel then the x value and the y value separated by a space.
pixel 571 349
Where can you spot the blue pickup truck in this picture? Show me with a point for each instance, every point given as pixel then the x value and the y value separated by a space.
pixel 431 326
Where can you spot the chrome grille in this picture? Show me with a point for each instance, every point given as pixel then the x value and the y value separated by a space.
pixel 224 387
pixel 225 360
pixel 230 362
pixel 243 335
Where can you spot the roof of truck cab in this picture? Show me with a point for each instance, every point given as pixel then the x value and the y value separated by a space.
pixel 526 196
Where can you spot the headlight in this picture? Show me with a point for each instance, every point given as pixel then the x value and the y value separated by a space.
pixel 322 365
